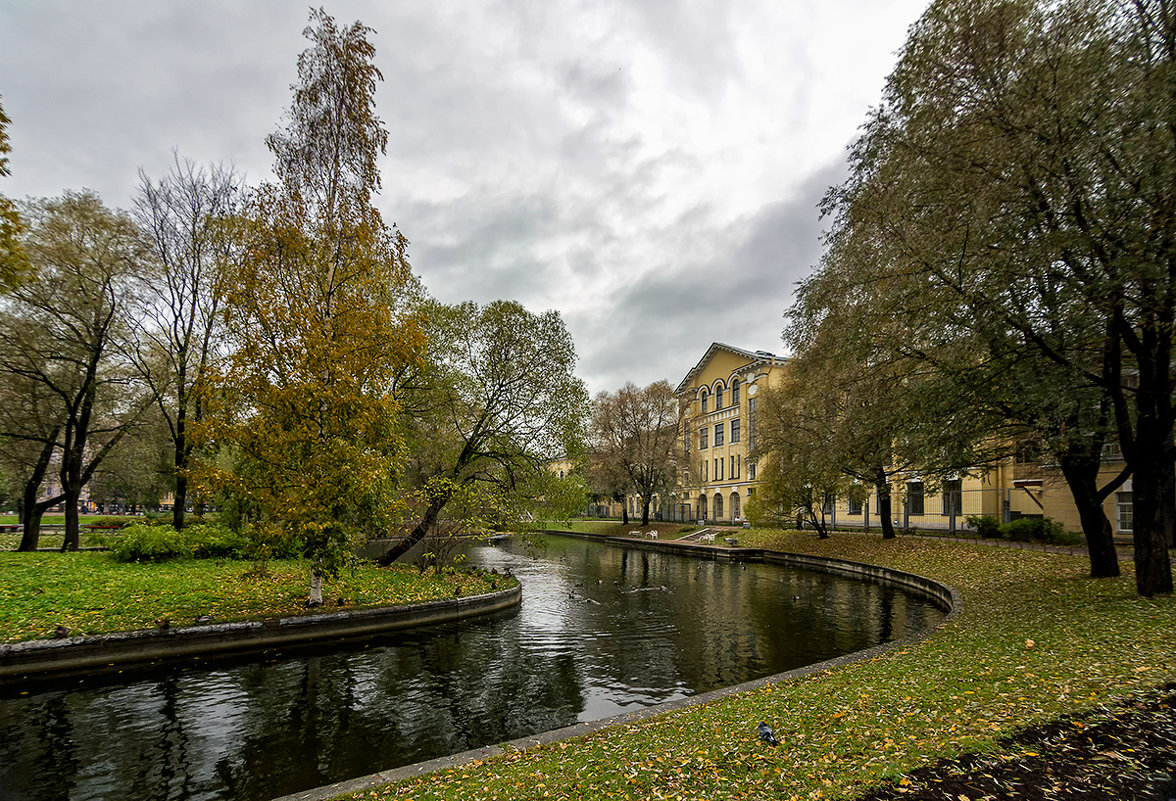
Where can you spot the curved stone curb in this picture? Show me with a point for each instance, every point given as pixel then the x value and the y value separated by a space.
pixel 938 593
pixel 54 658
pixel 947 597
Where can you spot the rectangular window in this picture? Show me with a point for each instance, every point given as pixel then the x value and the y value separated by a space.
pixel 953 497
pixel 702 434
pixel 735 430
pixel 735 392
pixel 853 506
pixel 751 470
pixel 734 467
pixel 751 404
pixel 1125 511
pixel 827 506
pixel 705 471
pixel 915 498
pixel 718 434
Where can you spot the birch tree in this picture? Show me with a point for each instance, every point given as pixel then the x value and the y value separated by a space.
pixel 317 319
pixel 13 261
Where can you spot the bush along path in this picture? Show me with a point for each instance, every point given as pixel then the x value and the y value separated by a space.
pixel 1036 641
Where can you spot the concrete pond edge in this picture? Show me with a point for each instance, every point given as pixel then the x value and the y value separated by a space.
pixel 49 659
pixel 945 597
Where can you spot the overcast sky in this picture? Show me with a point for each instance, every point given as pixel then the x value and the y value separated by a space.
pixel 649 168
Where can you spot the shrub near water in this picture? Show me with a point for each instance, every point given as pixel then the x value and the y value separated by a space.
pixel 141 542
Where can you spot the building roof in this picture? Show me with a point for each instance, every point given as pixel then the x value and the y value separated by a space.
pixel 752 356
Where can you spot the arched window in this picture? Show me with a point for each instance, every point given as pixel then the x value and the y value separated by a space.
pixel 702 507
pixel 735 511
pixel 718 506
pixel 734 391
pixel 718 397
pixel 704 401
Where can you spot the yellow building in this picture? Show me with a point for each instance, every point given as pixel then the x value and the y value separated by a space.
pixel 719 402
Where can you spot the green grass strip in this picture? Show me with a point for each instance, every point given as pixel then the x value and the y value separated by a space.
pixel 961 689
pixel 91 593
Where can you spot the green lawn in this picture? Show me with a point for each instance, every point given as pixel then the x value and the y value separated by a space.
pixel 90 593
pixel 50 537
pixel 1035 640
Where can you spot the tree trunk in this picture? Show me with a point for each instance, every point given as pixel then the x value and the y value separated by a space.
pixel 882 486
pixel 1081 472
pixel 1153 568
pixel 819 524
pixel 180 500
pixel 418 533
pixel 644 512
pixel 316 585
pixel 30 536
pixel 73 538
pixel 1168 502
pixel 625 512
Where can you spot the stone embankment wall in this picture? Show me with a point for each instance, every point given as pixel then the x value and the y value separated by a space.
pixel 101 652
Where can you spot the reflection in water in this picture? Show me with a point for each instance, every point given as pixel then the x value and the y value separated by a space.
pixel 601 630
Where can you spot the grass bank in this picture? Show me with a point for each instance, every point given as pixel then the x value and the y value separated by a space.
pixel 91 593
pixel 1036 640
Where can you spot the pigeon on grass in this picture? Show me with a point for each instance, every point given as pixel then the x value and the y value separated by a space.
pixel 766 734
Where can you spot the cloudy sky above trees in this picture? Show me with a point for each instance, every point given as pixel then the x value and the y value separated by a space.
pixel 650 169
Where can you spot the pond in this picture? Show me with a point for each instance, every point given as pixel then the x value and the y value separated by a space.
pixel 602 629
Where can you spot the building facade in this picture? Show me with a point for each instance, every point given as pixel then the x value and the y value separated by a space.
pixel 720 406
pixel 720 399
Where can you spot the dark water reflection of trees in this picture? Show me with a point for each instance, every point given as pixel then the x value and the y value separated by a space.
pixel 597 634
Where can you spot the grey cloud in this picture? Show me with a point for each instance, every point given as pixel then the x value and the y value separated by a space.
pixel 738 295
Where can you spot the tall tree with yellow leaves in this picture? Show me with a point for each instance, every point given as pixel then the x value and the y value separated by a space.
pixel 13 261
pixel 317 319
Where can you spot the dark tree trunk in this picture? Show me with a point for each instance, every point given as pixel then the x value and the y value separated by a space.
pixel 1081 472
pixel 180 501
pixel 644 513
pixel 1168 502
pixel 1153 568
pixel 30 536
pixel 625 512
pixel 31 510
pixel 818 522
pixel 180 497
pixel 882 486
pixel 419 532
pixel 73 538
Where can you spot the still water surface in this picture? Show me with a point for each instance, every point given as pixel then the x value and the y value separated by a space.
pixel 601 630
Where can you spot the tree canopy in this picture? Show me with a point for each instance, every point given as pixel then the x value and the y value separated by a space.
pixel 498 398
pixel 1009 203
pixel 317 319
pixel 634 437
pixel 13 261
